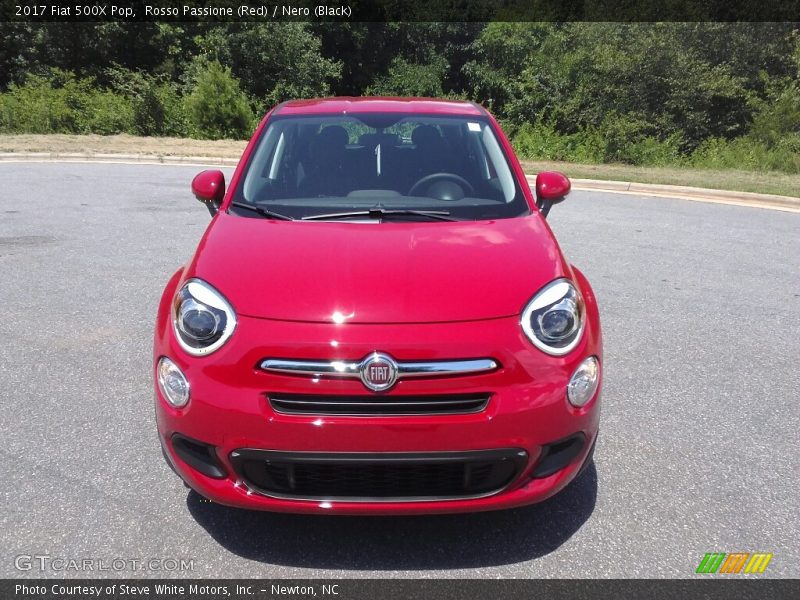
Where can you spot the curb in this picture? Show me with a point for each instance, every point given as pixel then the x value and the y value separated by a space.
pixel 682 192
pixel 750 199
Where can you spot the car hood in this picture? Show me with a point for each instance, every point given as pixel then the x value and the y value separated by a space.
pixel 377 272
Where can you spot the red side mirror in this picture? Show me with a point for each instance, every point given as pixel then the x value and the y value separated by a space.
pixel 552 185
pixel 209 186
pixel 551 188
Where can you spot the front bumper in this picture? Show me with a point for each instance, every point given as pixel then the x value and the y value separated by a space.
pixel 527 412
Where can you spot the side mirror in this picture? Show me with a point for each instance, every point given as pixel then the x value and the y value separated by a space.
pixel 551 188
pixel 209 188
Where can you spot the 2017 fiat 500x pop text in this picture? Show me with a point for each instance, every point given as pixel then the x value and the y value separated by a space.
pixel 378 320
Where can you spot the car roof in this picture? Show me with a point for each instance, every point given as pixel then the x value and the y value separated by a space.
pixel 378 104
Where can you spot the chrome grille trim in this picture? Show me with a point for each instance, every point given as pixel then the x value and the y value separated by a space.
pixel 351 369
pixel 336 368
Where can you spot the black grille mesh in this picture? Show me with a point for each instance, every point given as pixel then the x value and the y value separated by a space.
pixel 384 476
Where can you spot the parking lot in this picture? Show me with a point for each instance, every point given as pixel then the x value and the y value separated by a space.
pixel 699 435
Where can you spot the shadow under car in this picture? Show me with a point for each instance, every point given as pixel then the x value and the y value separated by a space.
pixel 403 542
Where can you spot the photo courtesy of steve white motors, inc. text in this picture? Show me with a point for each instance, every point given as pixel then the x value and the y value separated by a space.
pixel 170 589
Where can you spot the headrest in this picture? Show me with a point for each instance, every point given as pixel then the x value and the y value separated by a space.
pixel 426 135
pixel 333 135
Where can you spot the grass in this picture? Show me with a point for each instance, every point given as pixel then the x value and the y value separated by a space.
pixel 764 182
pixel 782 184
pixel 121 144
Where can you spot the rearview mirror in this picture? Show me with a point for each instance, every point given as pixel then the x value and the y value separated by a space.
pixel 209 188
pixel 551 188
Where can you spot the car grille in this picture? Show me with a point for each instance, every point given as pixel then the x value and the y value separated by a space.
pixel 378 477
pixel 377 405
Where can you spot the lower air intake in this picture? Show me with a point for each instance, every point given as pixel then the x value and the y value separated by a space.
pixel 379 477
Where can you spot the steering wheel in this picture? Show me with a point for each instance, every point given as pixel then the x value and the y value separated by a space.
pixel 428 179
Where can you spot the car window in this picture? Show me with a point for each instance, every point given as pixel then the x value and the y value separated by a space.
pixel 311 165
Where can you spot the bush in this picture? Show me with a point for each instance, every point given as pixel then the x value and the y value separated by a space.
pixel 632 140
pixel 58 102
pixel 541 141
pixel 157 106
pixel 749 153
pixel 105 113
pixel 217 108
pixel 652 152
pixel 615 141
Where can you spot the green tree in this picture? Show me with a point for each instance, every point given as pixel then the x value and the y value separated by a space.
pixel 273 61
pixel 411 79
pixel 216 107
pixel 156 104
pixel 498 55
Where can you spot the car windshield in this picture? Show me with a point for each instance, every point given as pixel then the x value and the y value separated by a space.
pixel 379 166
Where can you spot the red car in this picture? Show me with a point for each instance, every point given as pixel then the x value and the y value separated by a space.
pixel 378 320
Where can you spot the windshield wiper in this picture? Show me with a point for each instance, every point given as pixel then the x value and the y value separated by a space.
pixel 264 212
pixel 381 213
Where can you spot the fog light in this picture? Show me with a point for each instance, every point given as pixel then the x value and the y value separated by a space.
pixel 172 383
pixel 583 383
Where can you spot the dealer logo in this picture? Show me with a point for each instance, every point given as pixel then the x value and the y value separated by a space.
pixel 735 562
pixel 378 372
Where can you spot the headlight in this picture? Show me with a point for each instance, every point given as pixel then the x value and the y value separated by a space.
pixel 172 382
pixel 202 318
pixel 554 319
pixel 583 383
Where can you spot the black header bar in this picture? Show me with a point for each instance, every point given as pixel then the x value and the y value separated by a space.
pixel 399 10
pixel 707 587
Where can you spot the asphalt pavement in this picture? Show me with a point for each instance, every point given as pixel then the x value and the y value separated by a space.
pixel 699 437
